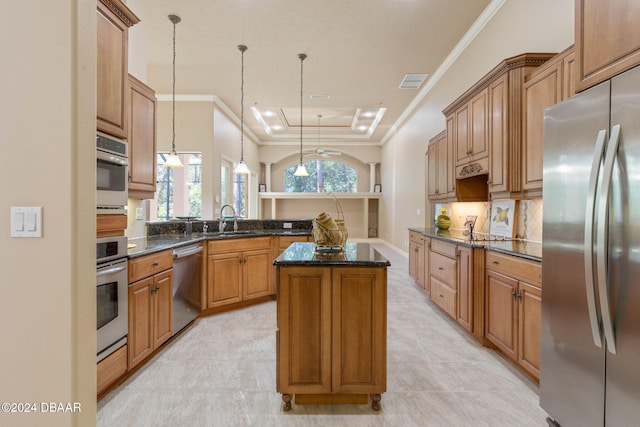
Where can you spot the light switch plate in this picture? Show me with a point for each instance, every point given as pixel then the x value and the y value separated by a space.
pixel 26 221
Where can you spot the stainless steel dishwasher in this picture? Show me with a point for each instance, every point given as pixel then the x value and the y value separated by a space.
pixel 187 269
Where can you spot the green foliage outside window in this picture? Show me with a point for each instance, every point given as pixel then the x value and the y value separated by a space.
pixel 324 176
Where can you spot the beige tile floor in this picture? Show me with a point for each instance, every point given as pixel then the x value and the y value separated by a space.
pixel 221 372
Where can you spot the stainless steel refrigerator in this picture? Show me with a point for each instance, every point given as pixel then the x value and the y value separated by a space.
pixel 590 357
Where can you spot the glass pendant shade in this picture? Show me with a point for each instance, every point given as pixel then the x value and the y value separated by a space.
pixel 173 161
pixel 242 168
pixel 301 171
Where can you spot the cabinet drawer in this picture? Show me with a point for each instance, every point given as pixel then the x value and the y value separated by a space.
pixel 239 245
pixel 444 248
pixel 416 238
pixel 443 268
pixel 512 266
pixel 111 368
pixel 444 297
pixel 285 241
pixel 146 266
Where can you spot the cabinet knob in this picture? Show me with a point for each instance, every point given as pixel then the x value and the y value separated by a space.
pixel 470 151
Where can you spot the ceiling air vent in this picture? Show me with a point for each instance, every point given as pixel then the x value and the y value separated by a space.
pixel 412 81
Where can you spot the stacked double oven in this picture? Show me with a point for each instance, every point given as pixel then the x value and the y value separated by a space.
pixel 112 175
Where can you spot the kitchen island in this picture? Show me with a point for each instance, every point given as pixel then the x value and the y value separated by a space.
pixel 331 342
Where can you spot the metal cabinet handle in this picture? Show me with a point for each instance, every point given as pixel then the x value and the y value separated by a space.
pixel 601 250
pixel 514 293
pixel 495 262
pixel 155 264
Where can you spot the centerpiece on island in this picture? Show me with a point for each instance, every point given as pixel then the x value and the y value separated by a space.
pixel 443 222
pixel 330 235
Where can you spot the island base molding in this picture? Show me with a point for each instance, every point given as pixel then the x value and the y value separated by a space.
pixel 332 399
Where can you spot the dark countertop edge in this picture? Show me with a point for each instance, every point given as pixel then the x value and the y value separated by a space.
pixel 484 245
pixel 176 241
pixel 332 263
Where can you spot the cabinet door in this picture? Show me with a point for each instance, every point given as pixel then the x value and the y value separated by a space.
pixel 111 78
pixel 465 288
pixel 140 339
pixel 256 272
pixel 224 279
pixel 162 293
pixel 359 330
pixel 447 146
pixel 462 135
pixel 541 92
pixel 499 159
pixel 529 323
pixel 501 312
pixel 413 260
pixel 607 39
pixel 479 143
pixel 432 171
pixel 142 139
pixel 304 330
pixel 569 75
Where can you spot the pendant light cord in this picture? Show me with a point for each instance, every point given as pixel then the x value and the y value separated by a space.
pixel 173 139
pixel 242 49
pixel 302 57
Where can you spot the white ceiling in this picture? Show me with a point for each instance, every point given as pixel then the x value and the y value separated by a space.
pixel 358 52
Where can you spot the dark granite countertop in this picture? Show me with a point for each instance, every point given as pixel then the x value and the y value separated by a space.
pixel 145 246
pixel 516 247
pixel 354 254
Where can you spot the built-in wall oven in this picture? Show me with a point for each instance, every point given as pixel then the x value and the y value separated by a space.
pixel 112 174
pixel 112 300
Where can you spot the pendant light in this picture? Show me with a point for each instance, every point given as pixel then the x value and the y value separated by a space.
pixel 301 171
pixel 241 167
pixel 173 161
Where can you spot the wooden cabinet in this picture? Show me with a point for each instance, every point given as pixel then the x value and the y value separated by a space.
pixel 452 281
pixel 142 140
pixel 607 39
pixel 513 309
pixel 110 225
pixel 441 183
pixel 443 276
pixel 238 270
pixel 111 368
pixel 113 22
pixel 417 258
pixel 331 338
pixel 471 136
pixel 487 131
pixel 150 304
pixel 553 82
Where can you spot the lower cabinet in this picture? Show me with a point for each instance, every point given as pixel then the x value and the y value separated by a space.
pixel 513 309
pixel 111 368
pixel 238 270
pixel 150 304
pixel 417 258
pixel 331 338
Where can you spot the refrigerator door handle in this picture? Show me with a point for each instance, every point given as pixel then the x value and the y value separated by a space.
pixel 601 250
pixel 594 320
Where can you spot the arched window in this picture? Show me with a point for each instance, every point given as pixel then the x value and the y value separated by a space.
pixel 324 176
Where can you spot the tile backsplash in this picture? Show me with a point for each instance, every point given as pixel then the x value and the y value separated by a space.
pixel 528 222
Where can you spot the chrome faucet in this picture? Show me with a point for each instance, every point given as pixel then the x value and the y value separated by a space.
pixel 223 221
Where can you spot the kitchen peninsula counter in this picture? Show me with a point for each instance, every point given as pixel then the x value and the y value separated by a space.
pixel 331 342
pixel 517 247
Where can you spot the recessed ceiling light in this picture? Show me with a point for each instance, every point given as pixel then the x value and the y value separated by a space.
pixel 412 81
pixel 319 96
pixel 368 114
pixel 268 113
pixel 362 127
pixel 276 127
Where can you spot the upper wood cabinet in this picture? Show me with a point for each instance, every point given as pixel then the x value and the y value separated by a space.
pixel 142 140
pixel 113 21
pixel 487 131
pixel 607 39
pixel 441 183
pixel 551 83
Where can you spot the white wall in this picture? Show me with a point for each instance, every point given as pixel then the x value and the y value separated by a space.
pixel 519 26
pixel 47 290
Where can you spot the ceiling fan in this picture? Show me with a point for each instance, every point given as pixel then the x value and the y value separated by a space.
pixel 321 151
